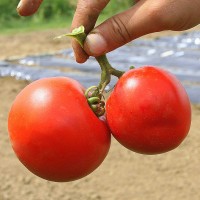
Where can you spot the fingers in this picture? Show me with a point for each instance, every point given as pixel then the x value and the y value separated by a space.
pixel 86 14
pixel 141 19
pixel 28 7
pixel 145 17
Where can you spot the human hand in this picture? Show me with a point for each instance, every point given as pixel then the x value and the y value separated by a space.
pixel 28 7
pixel 146 16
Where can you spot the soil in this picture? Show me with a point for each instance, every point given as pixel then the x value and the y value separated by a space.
pixel 32 43
pixel 124 175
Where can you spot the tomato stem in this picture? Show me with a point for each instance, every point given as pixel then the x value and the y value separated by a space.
pixel 94 94
pixel 105 75
pixel 106 69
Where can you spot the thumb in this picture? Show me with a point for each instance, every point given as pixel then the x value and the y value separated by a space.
pixel 139 20
pixel 28 7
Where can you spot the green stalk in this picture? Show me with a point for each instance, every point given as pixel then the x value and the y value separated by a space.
pixel 94 94
pixel 106 69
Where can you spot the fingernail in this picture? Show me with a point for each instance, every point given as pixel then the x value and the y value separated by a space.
pixel 19 5
pixel 95 44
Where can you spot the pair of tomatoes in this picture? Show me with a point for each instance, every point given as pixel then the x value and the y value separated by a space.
pixel 56 135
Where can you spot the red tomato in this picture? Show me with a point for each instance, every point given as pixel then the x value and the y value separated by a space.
pixel 149 111
pixel 54 132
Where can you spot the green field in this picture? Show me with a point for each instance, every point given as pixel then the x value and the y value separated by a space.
pixel 56 14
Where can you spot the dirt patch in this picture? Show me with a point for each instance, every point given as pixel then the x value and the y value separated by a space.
pixel 32 43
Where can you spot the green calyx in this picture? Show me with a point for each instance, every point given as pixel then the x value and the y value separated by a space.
pixel 94 98
pixel 94 94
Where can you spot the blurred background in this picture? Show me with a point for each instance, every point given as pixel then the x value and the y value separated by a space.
pixel 29 52
pixel 52 14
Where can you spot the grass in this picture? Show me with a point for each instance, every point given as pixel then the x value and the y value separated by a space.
pixel 29 26
pixel 56 18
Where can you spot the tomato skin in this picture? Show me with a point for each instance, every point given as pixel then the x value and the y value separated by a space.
pixel 53 131
pixel 149 111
